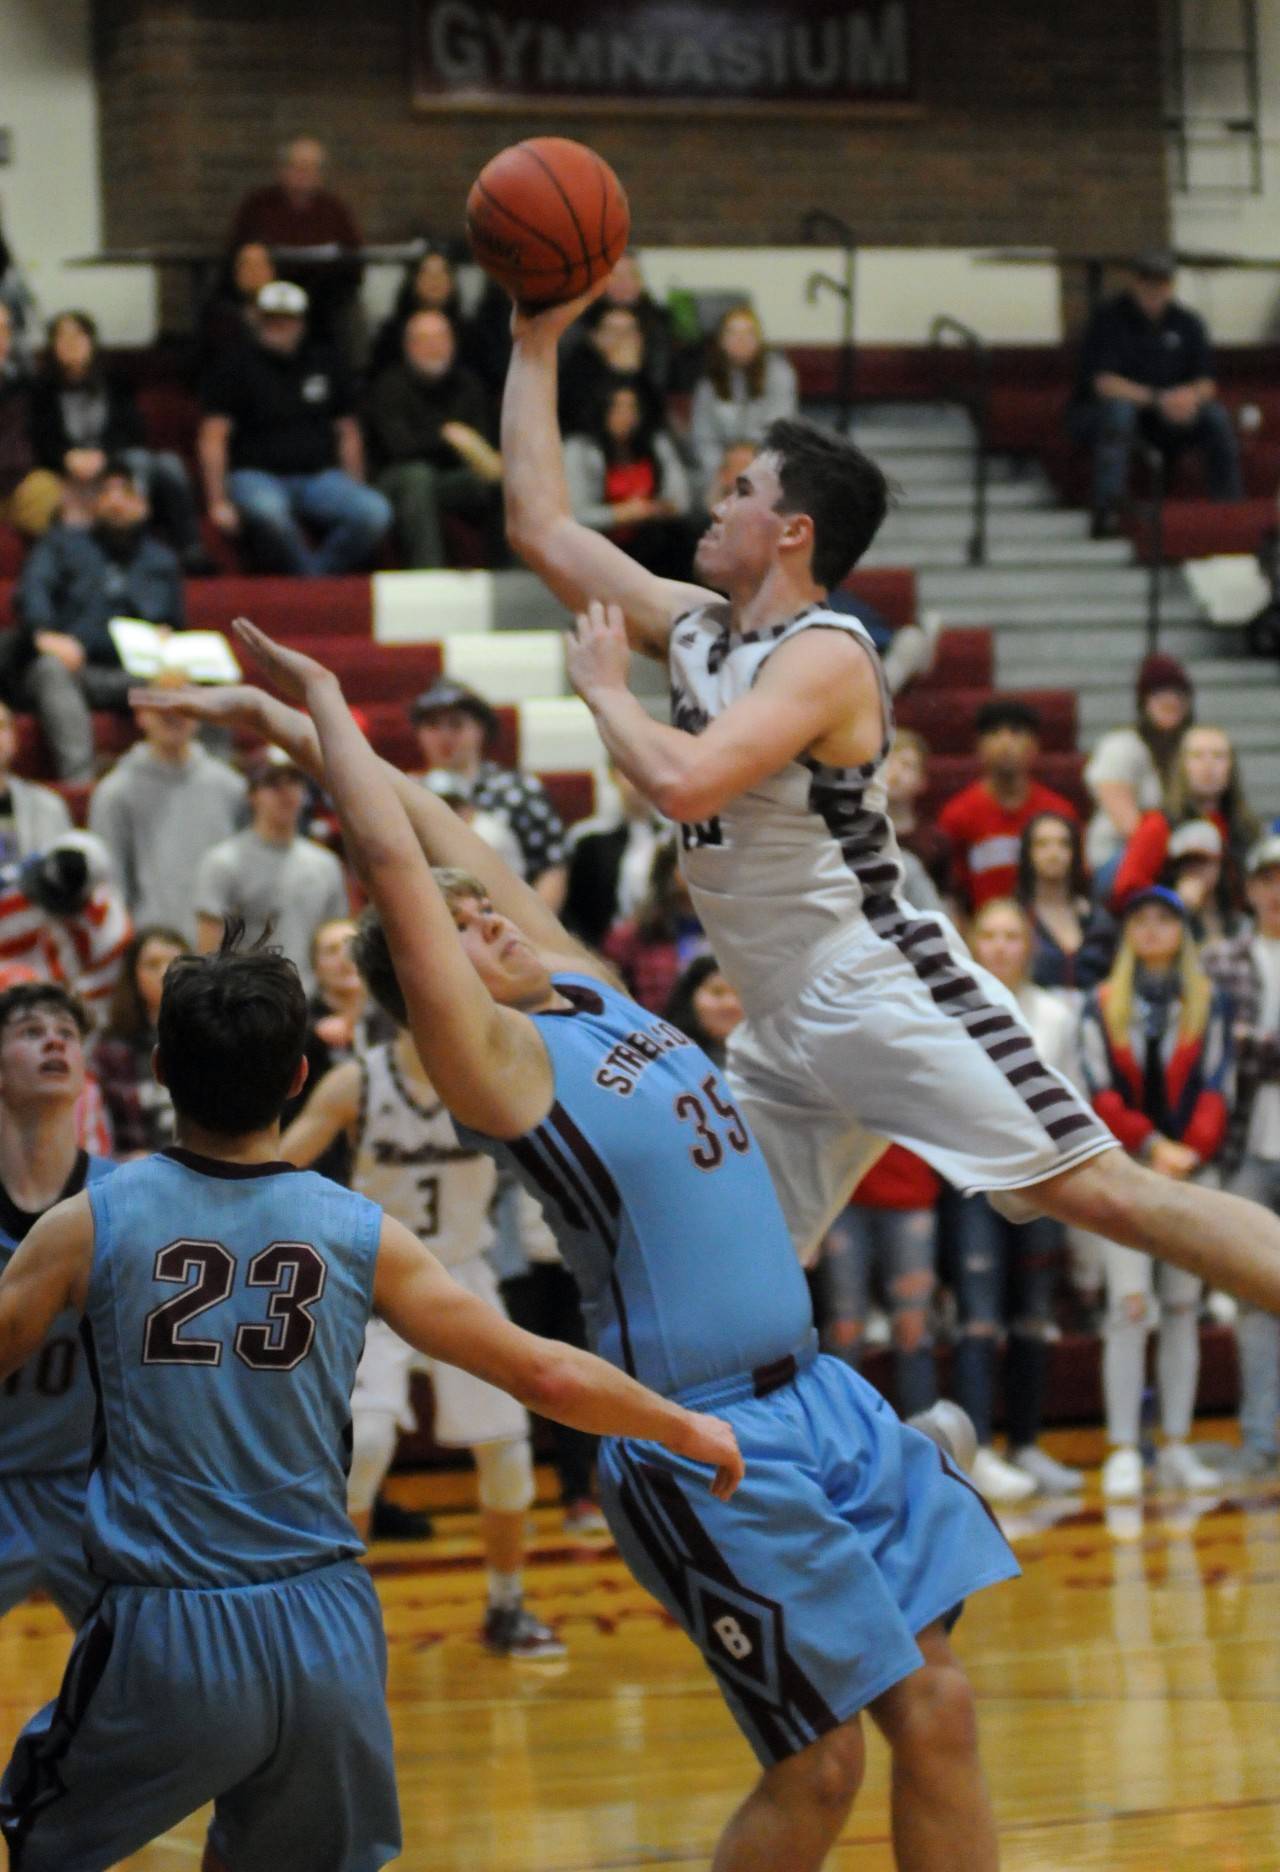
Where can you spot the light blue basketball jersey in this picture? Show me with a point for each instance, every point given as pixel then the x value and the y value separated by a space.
pixel 226 1315
pixel 47 1406
pixel 659 1198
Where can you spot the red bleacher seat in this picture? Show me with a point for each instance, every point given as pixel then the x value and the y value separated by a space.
pixel 13 551
pixel 891 589
pixel 945 717
pixel 965 660
pixel 372 672
pixel 572 794
pixel 1194 529
pixel 284 607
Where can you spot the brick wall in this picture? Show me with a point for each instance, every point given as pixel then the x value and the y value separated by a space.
pixel 1036 124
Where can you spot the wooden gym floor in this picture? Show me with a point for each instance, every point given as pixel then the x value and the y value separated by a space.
pixel 1128 1686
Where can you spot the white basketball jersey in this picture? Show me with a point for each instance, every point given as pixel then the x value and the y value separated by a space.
pixel 784 873
pixel 408 1160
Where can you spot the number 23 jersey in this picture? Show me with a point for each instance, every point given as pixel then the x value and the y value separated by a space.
pixel 47 1405
pixel 226 1311
pixel 658 1198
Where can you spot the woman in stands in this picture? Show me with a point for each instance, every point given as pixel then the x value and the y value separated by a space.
pixel 744 386
pixel 1004 1272
pixel 626 479
pixel 140 1110
pixel 1072 943
pixel 84 415
pixel 1205 784
pixel 226 317
pixel 705 1006
pixel 1131 768
pixel 429 285
pixel 1156 1052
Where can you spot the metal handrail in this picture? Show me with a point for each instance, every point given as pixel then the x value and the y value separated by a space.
pixel 1157 468
pixel 978 402
pixel 816 226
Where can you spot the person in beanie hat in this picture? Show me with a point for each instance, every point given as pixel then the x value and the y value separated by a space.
pixel 1130 768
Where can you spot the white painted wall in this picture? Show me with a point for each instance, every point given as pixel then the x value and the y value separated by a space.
pixel 49 192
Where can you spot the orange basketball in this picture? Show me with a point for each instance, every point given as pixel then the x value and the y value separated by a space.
pixel 546 219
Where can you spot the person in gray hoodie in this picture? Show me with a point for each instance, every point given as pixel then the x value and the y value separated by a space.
pixel 31 817
pixel 159 810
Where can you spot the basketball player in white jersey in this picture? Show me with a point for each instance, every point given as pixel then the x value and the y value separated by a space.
pixel 865 1020
pixel 407 1159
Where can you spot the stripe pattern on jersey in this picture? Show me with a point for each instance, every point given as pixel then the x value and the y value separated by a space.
pixel 838 795
pixel 785 1708
pixel 569 1171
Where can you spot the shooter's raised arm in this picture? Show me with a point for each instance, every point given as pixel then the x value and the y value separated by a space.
pixel 575 561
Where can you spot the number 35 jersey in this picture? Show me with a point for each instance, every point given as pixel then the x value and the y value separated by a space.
pixel 47 1405
pixel 658 1198
pixel 226 1315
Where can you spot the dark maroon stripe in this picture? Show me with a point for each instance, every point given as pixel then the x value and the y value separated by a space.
pixel 953 990
pixel 577 1182
pixel 1041 1101
pixel 624 1330
pixel 525 1155
pixel 992 1023
pixel 588 1157
pixel 1004 1049
pixel 1063 1127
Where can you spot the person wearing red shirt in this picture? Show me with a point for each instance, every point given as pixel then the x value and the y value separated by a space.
pixel 985 821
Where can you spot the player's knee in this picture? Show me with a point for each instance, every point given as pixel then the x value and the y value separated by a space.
pixel 373 1444
pixel 829 1772
pixel 1132 1309
pixel 504 1473
pixel 939 1717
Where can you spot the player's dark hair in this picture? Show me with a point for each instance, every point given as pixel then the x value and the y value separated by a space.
pixel 24 996
pixel 231 1032
pixel 372 951
pixel 842 490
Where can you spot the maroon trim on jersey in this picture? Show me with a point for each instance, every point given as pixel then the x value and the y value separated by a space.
pixel 220 1167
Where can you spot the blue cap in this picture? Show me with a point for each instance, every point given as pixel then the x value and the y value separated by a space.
pixel 1154 893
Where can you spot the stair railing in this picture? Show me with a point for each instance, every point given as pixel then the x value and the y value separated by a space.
pixel 1157 469
pixel 820 226
pixel 976 398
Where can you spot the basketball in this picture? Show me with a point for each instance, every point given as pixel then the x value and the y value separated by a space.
pixel 547 218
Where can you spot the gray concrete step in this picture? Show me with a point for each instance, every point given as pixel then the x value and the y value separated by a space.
pixel 943 496
pixel 910 527
pixel 1059 656
pixel 1021 555
pixel 1075 583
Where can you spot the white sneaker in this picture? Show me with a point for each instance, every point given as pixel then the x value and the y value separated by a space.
pixel 1178 1467
pixel 951 1428
pixel 998 1480
pixel 1050 1477
pixel 1122 1475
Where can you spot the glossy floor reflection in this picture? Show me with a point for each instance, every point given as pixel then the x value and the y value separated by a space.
pixel 1129 1689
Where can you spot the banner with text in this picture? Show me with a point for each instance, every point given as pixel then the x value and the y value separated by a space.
pixel 713 54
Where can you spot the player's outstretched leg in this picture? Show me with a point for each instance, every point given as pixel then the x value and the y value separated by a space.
pixel 1225 1240
pixel 941 1811
pixel 794 1814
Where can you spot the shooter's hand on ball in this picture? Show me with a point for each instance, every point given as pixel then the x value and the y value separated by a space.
pixel 555 320
pixel 597 655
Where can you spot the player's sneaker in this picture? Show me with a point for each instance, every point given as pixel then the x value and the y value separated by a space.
pixel 392 1522
pixel 951 1428
pixel 1050 1477
pixel 998 1480
pixel 1122 1475
pixel 513 1631
pixel 584 1517
pixel 1178 1467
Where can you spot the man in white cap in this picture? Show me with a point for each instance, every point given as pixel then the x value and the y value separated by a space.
pixel 280 447
pixel 1248 968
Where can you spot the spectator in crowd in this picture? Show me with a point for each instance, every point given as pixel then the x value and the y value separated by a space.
pixel 83 417
pixel 31 817
pixel 280 447
pixel 29 496
pixel 626 479
pixel 704 1004
pixel 486 338
pixel 627 288
pixel 745 386
pixel 268 875
pixel 73 583
pixel 1246 969
pixel 161 808
pixel 63 920
pixel 1072 942
pixel 456 729
pixel 227 318
pixel 1156 1046
pixel 295 211
pixel 651 949
pixel 985 821
pixel 493 829
pixel 609 355
pixel 1004 1271
pixel 1130 769
pixel 610 859
pixel 139 1108
pixel 428 286
pixel 344 1023
pixel 1205 784
pixel 1196 870
pixel 906 779
pixel 1146 374
pixel 887 1236
pixel 426 420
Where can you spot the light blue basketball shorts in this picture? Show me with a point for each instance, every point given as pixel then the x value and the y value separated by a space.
pixel 268 1700
pixel 849 1535
pixel 42 1543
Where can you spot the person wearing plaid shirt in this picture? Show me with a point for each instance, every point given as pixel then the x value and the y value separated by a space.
pixel 1247 969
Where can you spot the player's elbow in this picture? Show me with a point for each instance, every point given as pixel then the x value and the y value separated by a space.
pixel 686 798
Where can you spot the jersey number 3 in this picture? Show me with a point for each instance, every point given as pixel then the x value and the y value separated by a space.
pixel 708 1152
pixel 206 1272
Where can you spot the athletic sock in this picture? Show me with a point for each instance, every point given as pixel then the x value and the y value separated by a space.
pixel 506 1590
